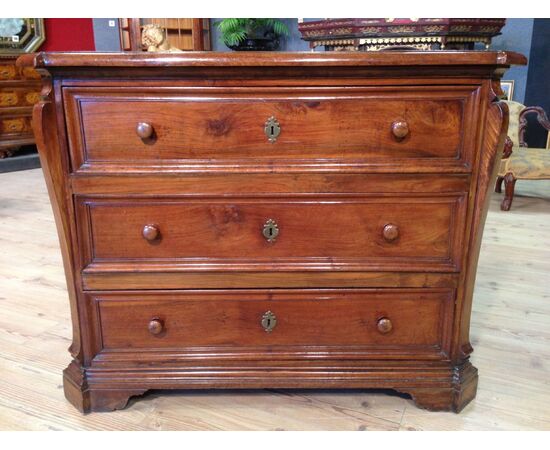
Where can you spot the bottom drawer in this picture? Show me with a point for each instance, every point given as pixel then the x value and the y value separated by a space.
pixel 405 320
pixel 17 125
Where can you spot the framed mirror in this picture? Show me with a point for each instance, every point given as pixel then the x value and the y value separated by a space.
pixel 18 35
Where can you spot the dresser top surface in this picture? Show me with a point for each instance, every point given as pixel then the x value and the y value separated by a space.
pixel 262 59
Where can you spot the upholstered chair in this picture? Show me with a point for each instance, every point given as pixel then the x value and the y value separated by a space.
pixel 520 162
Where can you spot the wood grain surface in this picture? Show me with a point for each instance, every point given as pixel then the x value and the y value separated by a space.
pixel 509 331
pixel 228 233
pixel 198 115
pixel 227 321
pixel 221 123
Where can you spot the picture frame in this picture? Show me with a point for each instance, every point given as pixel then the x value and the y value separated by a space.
pixel 21 35
pixel 507 87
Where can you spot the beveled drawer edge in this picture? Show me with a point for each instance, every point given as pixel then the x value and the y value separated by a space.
pixel 16 111
pixel 216 355
pixel 289 83
pixel 220 291
pixel 289 265
pixel 270 280
pixel 170 184
pixel 410 166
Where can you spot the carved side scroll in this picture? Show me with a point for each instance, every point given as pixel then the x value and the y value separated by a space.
pixel 496 126
pixel 55 171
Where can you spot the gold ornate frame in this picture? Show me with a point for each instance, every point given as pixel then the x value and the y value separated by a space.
pixel 33 37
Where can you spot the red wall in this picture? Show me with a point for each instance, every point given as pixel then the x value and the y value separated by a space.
pixel 68 35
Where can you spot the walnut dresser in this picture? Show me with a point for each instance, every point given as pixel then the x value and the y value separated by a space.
pixel 270 220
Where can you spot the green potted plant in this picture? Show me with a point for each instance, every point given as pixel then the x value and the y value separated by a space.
pixel 252 34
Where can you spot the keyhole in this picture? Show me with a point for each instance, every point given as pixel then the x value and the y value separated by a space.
pixel 272 129
pixel 270 230
pixel 269 321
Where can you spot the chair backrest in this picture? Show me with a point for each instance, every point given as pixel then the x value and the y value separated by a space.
pixel 515 109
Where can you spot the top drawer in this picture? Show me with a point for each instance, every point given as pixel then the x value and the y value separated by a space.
pixel 221 128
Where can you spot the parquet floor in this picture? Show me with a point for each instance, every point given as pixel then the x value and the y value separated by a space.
pixel 510 333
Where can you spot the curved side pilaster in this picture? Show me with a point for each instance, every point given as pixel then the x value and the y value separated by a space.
pixel 492 144
pixel 55 169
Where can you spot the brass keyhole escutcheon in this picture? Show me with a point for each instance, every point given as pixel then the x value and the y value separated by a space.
pixel 272 129
pixel 270 230
pixel 269 321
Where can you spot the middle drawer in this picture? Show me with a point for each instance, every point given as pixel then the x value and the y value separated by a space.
pixel 374 232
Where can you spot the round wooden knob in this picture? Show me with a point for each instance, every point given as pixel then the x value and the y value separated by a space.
pixel 390 232
pixel 144 130
pixel 150 232
pixel 400 129
pixel 155 326
pixel 384 325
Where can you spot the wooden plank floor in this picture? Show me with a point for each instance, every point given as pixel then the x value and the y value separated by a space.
pixel 510 334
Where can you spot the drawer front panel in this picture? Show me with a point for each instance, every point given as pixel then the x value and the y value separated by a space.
pixel 222 127
pixel 18 125
pixel 9 72
pixel 398 318
pixel 23 96
pixel 238 234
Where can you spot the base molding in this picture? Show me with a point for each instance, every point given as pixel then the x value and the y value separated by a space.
pixel 433 386
pixel 87 399
pixel 454 398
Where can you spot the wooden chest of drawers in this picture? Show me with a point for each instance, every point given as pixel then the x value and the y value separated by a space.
pixel 270 220
pixel 19 91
